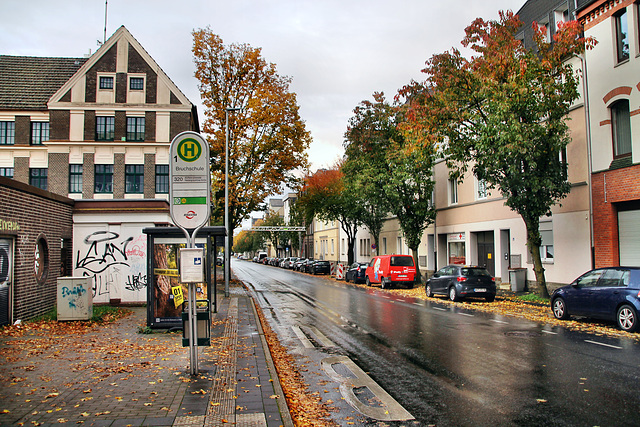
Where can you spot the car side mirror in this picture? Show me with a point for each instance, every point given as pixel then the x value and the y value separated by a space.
pixel 436 275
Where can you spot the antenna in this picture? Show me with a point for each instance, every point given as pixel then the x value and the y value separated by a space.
pixel 105 21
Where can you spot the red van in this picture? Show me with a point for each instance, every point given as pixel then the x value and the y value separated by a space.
pixel 389 270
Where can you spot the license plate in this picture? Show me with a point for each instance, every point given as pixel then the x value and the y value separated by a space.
pixel 480 290
pixel 402 275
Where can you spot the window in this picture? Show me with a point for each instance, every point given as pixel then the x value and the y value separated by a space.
pixel 135 128
pixel 7 133
pixel 104 179
pixel 546 246
pixel 136 83
pixel 106 82
pixel 75 178
pixel 622 35
pixel 105 127
pixel 384 245
pixel 162 179
pixel 39 132
pixel 621 127
pixel 38 177
pixel 481 189
pixel 134 179
pixel 8 172
pixel 453 191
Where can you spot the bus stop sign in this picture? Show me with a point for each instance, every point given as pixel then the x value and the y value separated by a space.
pixel 189 181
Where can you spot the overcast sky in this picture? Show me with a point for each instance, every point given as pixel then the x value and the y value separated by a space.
pixel 338 52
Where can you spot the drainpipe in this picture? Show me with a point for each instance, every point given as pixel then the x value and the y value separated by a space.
pixel 587 114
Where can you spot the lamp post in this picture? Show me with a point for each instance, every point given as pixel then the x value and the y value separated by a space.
pixel 227 258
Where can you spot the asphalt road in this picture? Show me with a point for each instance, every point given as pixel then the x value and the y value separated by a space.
pixel 377 357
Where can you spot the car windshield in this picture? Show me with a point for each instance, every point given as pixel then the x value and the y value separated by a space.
pixel 474 272
pixel 323 262
pixel 401 261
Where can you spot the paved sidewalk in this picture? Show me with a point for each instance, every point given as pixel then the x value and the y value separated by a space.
pixel 115 376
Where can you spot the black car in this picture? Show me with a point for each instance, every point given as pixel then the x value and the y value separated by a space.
pixel 460 281
pixel 305 267
pixel 320 267
pixel 604 293
pixel 356 272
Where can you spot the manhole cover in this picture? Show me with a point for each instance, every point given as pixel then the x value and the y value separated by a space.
pixel 522 334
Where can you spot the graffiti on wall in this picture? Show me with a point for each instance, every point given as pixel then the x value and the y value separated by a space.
pixel 117 264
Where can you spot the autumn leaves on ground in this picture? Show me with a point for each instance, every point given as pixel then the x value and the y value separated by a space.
pixel 40 360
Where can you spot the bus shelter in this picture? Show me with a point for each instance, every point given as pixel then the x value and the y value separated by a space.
pixel 163 246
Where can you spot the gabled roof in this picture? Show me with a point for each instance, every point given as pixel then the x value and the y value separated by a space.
pixel 27 83
pixel 121 34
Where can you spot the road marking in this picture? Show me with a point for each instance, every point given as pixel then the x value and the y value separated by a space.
pixel 466 314
pixel 389 410
pixel 320 337
pixel 302 337
pixel 440 308
pixel 499 321
pixel 549 332
pixel 603 344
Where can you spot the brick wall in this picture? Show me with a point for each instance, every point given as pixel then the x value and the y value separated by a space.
pixel 149 176
pixel 88 175
pixel 610 189
pixel 59 173
pixel 118 176
pixel 37 214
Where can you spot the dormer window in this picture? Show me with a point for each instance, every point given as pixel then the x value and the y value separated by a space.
pixel 106 82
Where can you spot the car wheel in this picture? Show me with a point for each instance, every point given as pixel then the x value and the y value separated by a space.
pixel 490 298
pixel 453 294
pixel 367 281
pixel 428 291
pixel 627 318
pixel 560 309
pixel 382 284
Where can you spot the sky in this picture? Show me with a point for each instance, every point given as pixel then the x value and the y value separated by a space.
pixel 337 52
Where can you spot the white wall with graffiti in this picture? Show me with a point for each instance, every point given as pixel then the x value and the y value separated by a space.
pixel 116 257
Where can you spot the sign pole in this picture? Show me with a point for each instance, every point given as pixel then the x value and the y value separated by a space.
pixel 190 200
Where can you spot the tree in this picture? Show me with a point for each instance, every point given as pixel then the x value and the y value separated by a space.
pixel 395 173
pixel 247 241
pixel 268 138
pixel 324 197
pixel 272 219
pixel 365 167
pixel 503 113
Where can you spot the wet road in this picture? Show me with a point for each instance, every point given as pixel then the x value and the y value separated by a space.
pixel 379 357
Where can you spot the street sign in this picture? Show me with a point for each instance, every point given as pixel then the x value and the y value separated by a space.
pixel 189 181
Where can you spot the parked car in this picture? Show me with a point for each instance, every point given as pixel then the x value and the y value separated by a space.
pixel 290 262
pixel 356 272
pixel 604 293
pixel 305 267
pixel 320 267
pixel 389 270
pixel 461 281
pixel 298 263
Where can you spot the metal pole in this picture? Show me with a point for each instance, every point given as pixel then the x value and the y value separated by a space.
pixel 227 225
pixel 226 205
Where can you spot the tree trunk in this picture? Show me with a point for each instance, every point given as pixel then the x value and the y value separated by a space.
pixel 533 244
pixel 414 253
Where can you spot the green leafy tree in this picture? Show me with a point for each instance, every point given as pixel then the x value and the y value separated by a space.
pixel 365 167
pixel 503 113
pixel 268 139
pixel 247 241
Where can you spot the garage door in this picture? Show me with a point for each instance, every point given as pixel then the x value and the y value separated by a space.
pixel 629 237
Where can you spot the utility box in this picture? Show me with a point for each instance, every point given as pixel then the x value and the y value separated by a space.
pixel 75 298
pixel 518 279
pixel 203 326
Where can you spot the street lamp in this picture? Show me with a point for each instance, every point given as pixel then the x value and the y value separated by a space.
pixel 227 258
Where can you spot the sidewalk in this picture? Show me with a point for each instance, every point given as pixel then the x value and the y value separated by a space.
pixel 115 376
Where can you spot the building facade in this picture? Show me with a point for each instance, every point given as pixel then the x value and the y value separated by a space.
pixel 97 129
pixel 613 80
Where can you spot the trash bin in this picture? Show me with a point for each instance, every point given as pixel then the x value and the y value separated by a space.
pixel 203 320
pixel 518 279
pixel 75 298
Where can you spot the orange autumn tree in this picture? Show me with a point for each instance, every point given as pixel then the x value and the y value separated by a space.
pixel 268 139
pixel 325 196
pixel 502 113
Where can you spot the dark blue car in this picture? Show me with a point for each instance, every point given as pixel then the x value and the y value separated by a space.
pixel 604 293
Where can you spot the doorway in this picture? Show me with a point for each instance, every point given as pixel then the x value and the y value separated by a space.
pixel 486 253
